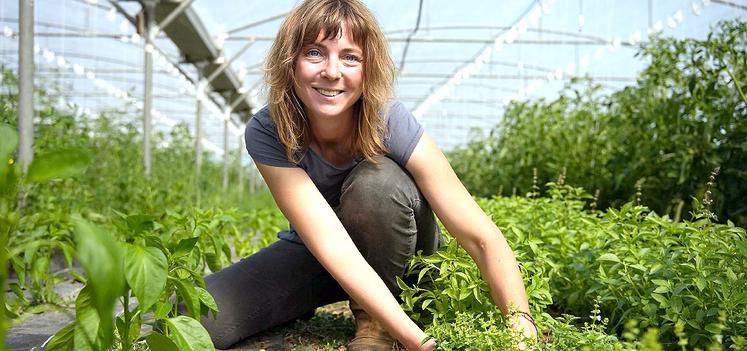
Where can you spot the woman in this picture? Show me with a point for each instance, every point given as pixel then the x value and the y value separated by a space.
pixel 356 177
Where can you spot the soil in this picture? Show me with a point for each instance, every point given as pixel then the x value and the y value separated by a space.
pixel 329 329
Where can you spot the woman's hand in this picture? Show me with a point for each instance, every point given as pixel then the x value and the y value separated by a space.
pixel 326 238
pixel 429 345
pixel 524 325
pixel 474 231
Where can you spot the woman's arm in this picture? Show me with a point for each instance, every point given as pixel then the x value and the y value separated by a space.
pixel 326 238
pixel 471 227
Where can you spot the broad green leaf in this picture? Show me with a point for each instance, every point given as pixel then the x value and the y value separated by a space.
pixel 119 323
pixel 657 267
pixel 731 275
pixel 713 328
pixel 401 283
pixel 18 291
pixel 422 273
pixel 609 257
pixel 146 270
pixel 159 342
pixel 189 296
pixel 140 222
pixel 101 257
pixel 68 252
pixel 163 310
pixel 30 252
pixel 189 335
pixel 184 247
pixel 18 268
pixel 88 324
pixel 40 268
pixel 464 294
pixel 742 247
pixel 60 163
pixel 8 142
pixel 63 340
pixel 700 283
pixel 135 323
pixel 206 299
pixel 8 313
pixel 661 300
pixel 213 261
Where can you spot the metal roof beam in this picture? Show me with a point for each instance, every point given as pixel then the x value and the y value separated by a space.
pixel 166 21
pixel 191 37
pixel 509 76
pixel 472 41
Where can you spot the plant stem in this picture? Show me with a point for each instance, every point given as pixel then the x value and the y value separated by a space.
pixel 126 337
pixel 736 82
pixel 4 233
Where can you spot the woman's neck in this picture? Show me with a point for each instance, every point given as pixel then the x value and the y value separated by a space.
pixel 332 133
pixel 332 139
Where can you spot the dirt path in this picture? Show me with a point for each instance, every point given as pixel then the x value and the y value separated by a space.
pixel 329 329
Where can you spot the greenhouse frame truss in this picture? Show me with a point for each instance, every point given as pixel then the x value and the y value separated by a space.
pixel 215 84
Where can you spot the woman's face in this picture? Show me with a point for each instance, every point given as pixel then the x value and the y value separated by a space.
pixel 329 75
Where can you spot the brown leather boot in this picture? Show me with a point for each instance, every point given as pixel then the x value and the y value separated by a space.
pixel 369 334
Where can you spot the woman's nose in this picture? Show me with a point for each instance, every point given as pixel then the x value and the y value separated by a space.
pixel 332 70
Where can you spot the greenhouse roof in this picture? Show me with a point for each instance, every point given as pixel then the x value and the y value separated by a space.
pixel 459 62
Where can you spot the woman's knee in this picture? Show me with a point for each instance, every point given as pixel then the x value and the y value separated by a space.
pixel 378 208
pixel 370 186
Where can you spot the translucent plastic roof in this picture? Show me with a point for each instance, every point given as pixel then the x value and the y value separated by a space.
pixel 464 63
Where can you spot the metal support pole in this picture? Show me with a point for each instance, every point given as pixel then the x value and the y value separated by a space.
pixel 240 166
pixel 650 13
pixel 252 179
pixel 198 132
pixel 149 12
pixel 26 83
pixel 225 153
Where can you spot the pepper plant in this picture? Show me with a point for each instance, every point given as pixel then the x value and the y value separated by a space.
pixel 45 167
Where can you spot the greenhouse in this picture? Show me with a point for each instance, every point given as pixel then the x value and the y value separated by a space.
pixel 373 175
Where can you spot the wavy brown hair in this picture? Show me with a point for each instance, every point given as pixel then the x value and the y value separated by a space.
pixel 301 27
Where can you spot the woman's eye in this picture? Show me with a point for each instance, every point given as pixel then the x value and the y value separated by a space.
pixel 351 58
pixel 314 53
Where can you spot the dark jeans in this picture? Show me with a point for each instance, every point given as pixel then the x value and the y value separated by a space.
pixel 383 212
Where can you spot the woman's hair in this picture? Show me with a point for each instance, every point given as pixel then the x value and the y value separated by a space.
pixel 302 27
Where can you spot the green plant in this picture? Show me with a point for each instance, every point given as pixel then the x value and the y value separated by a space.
pixel 626 264
pixel 144 267
pixel 13 182
pixel 683 117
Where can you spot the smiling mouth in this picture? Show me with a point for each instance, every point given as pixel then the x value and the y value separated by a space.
pixel 328 93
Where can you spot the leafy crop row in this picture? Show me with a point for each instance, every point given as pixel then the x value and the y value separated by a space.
pixel 72 206
pixel 161 262
pixel 686 281
pixel 114 179
pixel 686 114
pixel 125 257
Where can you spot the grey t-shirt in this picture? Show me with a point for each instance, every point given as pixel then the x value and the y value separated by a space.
pixel 264 147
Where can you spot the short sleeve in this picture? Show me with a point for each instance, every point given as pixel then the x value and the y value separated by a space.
pixel 262 142
pixel 404 132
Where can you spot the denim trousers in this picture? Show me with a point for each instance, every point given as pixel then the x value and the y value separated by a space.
pixel 385 215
